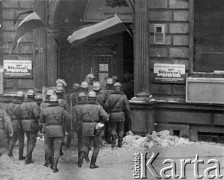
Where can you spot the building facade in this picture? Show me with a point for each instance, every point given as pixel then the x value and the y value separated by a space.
pixel 172 40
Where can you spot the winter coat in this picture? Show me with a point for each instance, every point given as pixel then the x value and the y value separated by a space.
pixel 55 115
pixel 30 109
pixel 121 106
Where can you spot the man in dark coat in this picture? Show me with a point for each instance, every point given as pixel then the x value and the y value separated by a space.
pixel 57 120
pixel 91 128
pixel 5 126
pixel 13 110
pixel 117 105
pixel 30 113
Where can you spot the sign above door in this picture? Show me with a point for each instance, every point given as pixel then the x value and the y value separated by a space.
pixel 98 10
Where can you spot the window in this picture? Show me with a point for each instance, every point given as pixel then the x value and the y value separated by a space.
pixel 208 35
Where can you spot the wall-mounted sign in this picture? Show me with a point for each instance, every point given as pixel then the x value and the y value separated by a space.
pixel 169 73
pixel 159 34
pixel 17 68
pixel 98 10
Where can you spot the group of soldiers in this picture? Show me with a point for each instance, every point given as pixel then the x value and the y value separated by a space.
pixel 92 110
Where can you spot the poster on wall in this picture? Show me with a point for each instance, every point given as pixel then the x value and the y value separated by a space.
pixel 17 68
pixel 169 73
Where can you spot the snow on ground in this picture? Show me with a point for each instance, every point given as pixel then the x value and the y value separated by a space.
pixel 114 164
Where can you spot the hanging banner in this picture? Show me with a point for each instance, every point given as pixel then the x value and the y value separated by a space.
pixel 98 10
pixel 17 68
pixel 169 73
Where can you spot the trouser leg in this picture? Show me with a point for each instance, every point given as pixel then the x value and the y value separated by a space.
pixel 97 140
pixel 69 139
pixel 31 145
pixel 120 133
pixel 20 134
pixel 113 126
pixel 56 149
pixel 12 143
pixel 86 142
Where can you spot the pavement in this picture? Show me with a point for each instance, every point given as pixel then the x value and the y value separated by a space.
pixel 118 163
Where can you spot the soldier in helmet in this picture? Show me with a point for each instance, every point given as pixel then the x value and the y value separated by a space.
pixel 13 110
pixel 100 94
pixel 84 87
pixel 118 107
pixel 57 120
pixel 5 126
pixel 82 100
pixel 43 105
pixel 30 113
pixel 91 128
pixel 90 79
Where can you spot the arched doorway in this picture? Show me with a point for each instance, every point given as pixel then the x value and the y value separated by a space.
pixel 107 56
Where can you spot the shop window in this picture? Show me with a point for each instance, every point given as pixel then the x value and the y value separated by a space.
pixel 208 35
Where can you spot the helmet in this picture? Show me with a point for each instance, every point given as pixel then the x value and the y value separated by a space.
pixel 53 98
pixel 61 81
pixel 81 94
pixel 84 84
pixel 110 81
pixel 30 92
pixel 117 84
pixel 92 94
pixel 50 92
pixel 76 85
pixel 20 94
pixel 96 86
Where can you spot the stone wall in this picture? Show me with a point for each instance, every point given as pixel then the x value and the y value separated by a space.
pixel 175 15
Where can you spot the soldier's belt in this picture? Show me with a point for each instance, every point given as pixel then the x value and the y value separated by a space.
pixel 29 119
pixel 53 124
pixel 117 111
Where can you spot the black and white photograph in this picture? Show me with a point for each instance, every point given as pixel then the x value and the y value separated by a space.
pixel 111 89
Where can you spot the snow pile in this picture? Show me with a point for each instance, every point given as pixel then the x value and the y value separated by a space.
pixel 162 139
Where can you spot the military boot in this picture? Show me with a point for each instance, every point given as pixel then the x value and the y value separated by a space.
pixel 80 160
pixel 93 163
pixel 55 169
pixel 21 157
pixel 47 162
pixel 120 142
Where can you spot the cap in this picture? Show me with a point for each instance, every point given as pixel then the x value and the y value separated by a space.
pixel 61 81
pixel 53 98
pixel 96 86
pixel 117 84
pixel 110 81
pixel 30 92
pixel 50 92
pixel 84 84
pixel 90 76
pixel 59 88
pixel 20 94
pixel 92 94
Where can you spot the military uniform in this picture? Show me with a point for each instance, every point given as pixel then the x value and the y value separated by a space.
pixel 13 110
pixel 57 121
pixel 90 115
pixel 30 114
pixel 118 106
pixel 5 126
